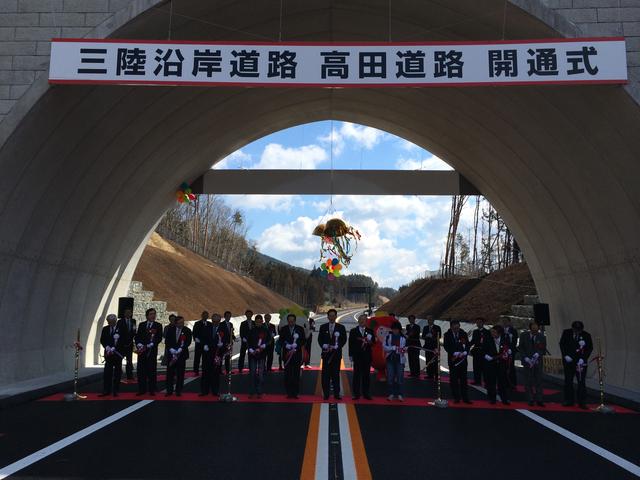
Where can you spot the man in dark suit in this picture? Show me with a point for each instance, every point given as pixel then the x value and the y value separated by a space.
pixel 165 355
pixel 497 358
pixel 532 348
pixel 114 344
pixel 431 334
pixel 479 336
pixel 198 329
pixel 413 340
pixel 361 340
pixel 148 336
pixel 178 339
pixel 127 328
pixel 271 347
pixel 512 335
pixel 216 339
pixel 456 344
pixel 576 347
pixel 291 341
pixel 245 331
pixel 331 337
pixel 226 323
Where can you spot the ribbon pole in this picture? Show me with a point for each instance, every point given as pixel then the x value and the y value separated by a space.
pixel 227 397
pixel 439 402
pixel 602 408
pixel 75 395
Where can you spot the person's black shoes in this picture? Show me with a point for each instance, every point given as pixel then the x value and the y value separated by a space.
pixel 540 404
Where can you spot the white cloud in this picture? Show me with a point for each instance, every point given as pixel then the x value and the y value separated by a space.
pixel 359 136
pixel 428 163
pixel 402 236
pixel 276 156
pixel 283 240
pixel 367 137
pixel 338 142
pixel 237 159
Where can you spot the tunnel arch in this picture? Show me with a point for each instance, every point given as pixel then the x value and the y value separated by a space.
pixel 89 170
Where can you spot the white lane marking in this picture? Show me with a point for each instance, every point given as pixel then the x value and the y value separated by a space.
pixel 606 454
pixel 322 452
pixel 74 437
pixel 346 447
pixel 60 444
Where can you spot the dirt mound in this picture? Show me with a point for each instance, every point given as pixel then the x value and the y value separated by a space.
pixel 465 298
pixel 190 283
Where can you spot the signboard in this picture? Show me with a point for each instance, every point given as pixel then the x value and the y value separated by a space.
pixel 522 62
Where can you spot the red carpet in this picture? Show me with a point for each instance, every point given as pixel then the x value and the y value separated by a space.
pixel 273 398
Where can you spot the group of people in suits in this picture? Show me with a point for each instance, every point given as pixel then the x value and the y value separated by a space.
pixel 493 351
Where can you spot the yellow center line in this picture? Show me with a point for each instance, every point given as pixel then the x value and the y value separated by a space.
pixel 345 380
pixel 357 444
pixel 311 449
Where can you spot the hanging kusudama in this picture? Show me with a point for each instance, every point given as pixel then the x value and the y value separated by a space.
pixel 339 242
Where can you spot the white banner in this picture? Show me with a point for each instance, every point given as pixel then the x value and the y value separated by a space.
pixel 522 62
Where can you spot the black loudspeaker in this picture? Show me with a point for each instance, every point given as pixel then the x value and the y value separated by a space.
pixel 124 303
pixel 541 313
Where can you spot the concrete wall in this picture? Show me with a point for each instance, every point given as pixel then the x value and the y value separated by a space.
pixel 87 171
pixel 603 18
pixel 26 27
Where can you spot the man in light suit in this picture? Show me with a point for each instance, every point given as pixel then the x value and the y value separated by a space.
pixel 331 338
pixel 114 344
pixel 532 347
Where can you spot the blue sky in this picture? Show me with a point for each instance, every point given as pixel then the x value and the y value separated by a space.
pixel 402 236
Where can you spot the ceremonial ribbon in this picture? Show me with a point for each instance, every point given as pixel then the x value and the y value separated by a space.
pixel 174 357
pixel 217 360
pixel 152 334
pixel 291 351
pixel 336 335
